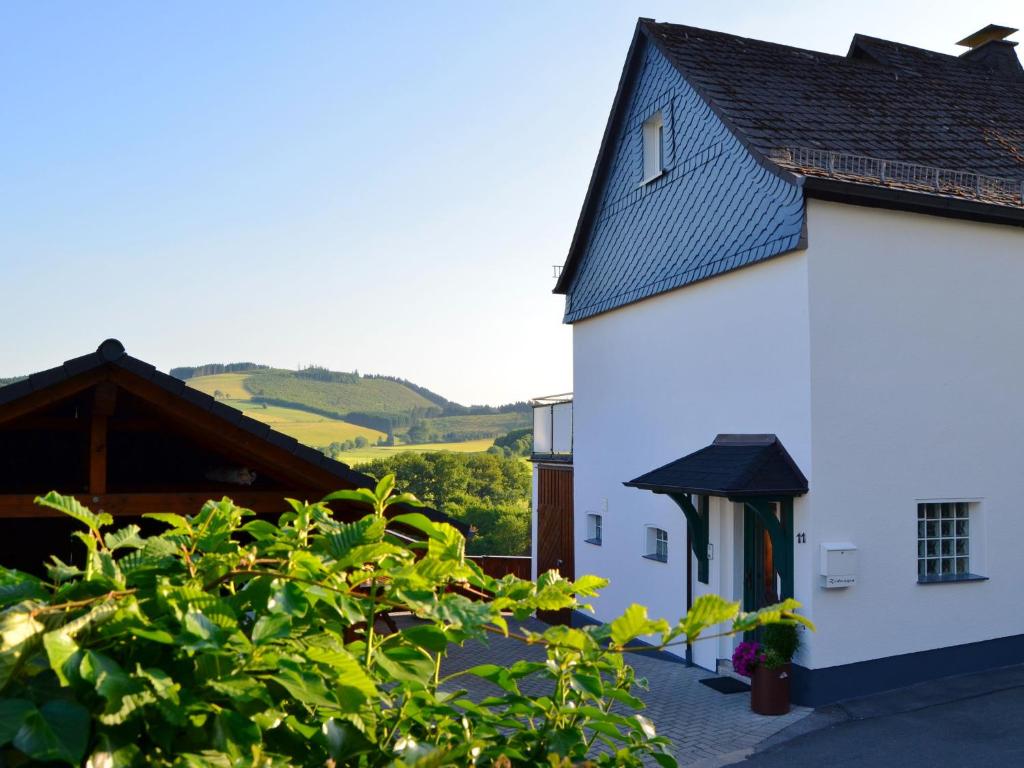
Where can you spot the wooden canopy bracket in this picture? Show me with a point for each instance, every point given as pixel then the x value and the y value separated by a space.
pixel 697 521
pixel 781 534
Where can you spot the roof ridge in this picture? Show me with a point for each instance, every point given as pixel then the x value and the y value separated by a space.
pixel 741 38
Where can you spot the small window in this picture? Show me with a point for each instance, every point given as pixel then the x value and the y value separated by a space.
pixel 654 147
pixel 944 542
pixel 594 528
pixel 657 544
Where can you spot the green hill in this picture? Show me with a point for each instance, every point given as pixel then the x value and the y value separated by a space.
pixel 353 416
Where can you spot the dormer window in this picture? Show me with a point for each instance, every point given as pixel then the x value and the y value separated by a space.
pixel 654 147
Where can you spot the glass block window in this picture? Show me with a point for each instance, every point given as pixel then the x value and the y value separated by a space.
pixel 943 541
pixel 595 525
pixel 657 544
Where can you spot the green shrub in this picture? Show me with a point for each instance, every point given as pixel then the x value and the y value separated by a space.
pixel 232 641
pixel 781 642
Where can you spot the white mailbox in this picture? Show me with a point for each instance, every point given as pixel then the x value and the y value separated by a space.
pixel 838 565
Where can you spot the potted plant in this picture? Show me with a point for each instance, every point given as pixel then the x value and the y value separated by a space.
pixel 769 667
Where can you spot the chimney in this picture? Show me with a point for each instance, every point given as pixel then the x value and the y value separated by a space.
pixel 990 49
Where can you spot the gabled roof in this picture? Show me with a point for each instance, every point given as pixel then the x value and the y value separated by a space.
pixel 956 122
pixel 736 466
pixel 112 353
pixel 110 357
pixel 883 99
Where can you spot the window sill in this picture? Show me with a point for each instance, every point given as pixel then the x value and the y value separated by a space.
pixel 655 177
pixel 595 542
pixel 656 558
pixel 951 579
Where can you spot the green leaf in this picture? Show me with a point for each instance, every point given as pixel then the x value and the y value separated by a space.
pixel 124 537
pixel 70 506
pixel 384 487
pixel 287 597
pixel 16 586
pixel 347 536
pixel 633 623
pixel 13 713
pixel 63 653
pixel 59 730
pixel 19 632
pixel 360 495
pixel 271 627
pixel 706 611
pixel 646 726
pixel 427 636
pixel 416 520
pixel 350 672
pixel 177 522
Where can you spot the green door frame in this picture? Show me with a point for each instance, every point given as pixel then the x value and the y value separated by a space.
pixel 780 531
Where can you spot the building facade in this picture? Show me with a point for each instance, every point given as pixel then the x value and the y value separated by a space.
pixel 796 350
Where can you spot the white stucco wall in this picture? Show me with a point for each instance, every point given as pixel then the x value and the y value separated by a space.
pixel 656 380
pixel 917 371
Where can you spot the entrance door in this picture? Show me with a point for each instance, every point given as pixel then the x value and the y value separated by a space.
pixel 555 530
pixel 761 584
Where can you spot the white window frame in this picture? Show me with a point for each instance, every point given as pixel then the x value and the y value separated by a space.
pixel 595 528
pixel 949 544
pixel 653 131
pixel 656 543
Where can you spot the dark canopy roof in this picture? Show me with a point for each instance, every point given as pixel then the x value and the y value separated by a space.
pixel 733 465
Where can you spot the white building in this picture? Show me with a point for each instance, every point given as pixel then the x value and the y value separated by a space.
pixel 795 291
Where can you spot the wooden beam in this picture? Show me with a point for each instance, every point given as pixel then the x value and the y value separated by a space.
pixel 103 405
pixel 38 400
pixel 98 455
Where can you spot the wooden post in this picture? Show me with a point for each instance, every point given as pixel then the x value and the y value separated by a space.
pixel 104 402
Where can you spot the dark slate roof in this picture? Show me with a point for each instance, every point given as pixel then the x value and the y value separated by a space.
pixel 883 99
pixel 112 352
pixel 733 465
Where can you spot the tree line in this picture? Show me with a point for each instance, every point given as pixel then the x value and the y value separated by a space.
pixel 489 492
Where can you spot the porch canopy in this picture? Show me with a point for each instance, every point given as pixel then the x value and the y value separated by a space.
pixel 754 470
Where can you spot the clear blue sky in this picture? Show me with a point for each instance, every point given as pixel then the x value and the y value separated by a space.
pixel 377 186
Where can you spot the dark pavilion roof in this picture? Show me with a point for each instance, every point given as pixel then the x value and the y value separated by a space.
pixel 883 99
pixel 734 465
pixel 112 353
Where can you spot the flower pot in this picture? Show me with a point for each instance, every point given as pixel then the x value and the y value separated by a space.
pixel 769 690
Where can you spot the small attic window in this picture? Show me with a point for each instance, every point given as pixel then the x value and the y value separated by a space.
pixel 654 147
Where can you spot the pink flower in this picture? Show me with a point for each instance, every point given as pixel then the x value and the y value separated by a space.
pixel 747 657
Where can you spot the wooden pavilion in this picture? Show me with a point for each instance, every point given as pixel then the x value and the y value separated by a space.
pixel 128 439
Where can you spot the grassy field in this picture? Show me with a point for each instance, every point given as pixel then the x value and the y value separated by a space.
pixel 366 396
pixel 230 384
pixel 305 427
pixel 308 428
pixel 319 431
pixel 363 455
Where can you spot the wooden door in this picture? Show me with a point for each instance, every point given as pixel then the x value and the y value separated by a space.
pixel 760 576
pixel 555 530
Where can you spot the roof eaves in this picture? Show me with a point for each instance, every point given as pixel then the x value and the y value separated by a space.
pixel 876 196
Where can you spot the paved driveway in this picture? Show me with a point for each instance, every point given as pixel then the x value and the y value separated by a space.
pixel 707 728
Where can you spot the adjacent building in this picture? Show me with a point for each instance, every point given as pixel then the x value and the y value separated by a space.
pixel 798 347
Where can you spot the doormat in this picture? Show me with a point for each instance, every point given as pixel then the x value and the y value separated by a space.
pixel 725 684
